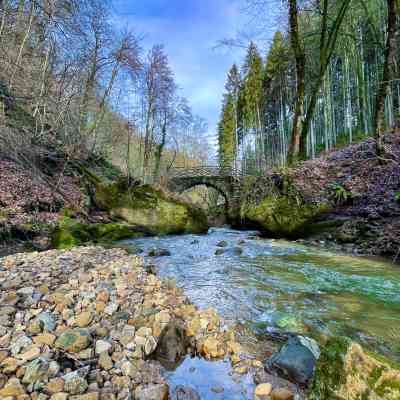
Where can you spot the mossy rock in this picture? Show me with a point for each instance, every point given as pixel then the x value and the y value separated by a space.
pixel 149 209
pixel 346 371
pixel 284 216
pixel 72 233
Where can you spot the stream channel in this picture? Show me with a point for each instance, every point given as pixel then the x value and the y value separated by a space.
pixel 276 285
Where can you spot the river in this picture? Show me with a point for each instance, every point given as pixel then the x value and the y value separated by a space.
pixel 275 284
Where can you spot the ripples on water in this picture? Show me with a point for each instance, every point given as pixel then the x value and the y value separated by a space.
pixel 329 293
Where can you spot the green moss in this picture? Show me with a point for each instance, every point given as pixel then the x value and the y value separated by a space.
pixel 329 374
pixel 284 216
pixel 388 387
pixel 72 233
pixel 344 370
pixel 149 209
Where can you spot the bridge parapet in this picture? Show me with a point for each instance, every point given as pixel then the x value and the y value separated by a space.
pixel 205 171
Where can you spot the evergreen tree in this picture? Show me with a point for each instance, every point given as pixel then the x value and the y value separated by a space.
pixel 228 126
pixel 250 99
pixel 227 132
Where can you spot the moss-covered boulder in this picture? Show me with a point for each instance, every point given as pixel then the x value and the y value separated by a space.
pixel 345 371
pixel 71 232
pixel 149 209
pixel 283 216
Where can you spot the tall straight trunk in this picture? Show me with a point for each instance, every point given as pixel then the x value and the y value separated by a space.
pixel 389 65
pixel 147 140
pixel 102 106
pixel 22 45
pixel 89 86
pixel 160 149
pixel 4 10
pixel 300 57
pixel 128 153
pixel 327 46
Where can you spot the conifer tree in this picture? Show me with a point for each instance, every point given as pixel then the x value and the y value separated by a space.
pixel 251 103
pixel 228 127
pixel 226 132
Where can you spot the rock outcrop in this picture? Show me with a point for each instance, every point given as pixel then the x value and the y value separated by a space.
pixel 149 209
pixel 346 371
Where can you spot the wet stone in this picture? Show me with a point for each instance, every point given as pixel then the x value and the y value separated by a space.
pixel 185 393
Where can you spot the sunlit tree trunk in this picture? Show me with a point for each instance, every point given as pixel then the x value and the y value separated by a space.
pixel 297 47
pixel 390 59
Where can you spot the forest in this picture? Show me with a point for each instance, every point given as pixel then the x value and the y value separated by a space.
pixel 330 79
pixel 70 79
pixel 154 246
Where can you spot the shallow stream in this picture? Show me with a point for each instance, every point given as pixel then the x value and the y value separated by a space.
pixel 278 284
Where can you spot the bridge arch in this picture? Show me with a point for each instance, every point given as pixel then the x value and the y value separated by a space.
pixel 187 184
pixel 225 180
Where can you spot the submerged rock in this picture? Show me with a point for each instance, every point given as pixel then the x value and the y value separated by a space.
pixel 159 253
pixel 295 360
pixel 185 393
pixel 287 322
pixel 233 251
pixel 346 371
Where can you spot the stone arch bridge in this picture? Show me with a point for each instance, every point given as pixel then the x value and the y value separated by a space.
pixel 226 180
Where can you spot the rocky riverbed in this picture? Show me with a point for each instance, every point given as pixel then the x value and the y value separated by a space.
pixel 93 323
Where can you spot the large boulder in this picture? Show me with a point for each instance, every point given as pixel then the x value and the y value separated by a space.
pixel 71 232
pixel 149 209
pixel 283 216
pixel 346 371
pixel 296 360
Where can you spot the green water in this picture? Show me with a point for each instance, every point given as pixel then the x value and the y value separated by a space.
pixel 319 292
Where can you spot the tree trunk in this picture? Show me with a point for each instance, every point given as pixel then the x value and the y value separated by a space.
pixel 297 47
pixel 147 141
pixel 89 87
pixel 159 151
pixel 327 46
pixel 390 59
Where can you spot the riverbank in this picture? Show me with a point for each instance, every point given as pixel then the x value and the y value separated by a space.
pixel 347 200
pixel 92 323
pixel 85 202
pixel 348 197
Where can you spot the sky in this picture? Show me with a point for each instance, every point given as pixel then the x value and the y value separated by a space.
pixel 190 30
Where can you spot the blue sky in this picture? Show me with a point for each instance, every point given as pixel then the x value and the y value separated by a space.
pixel 190 29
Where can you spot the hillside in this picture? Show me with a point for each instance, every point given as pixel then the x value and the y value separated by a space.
pixel 355 196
